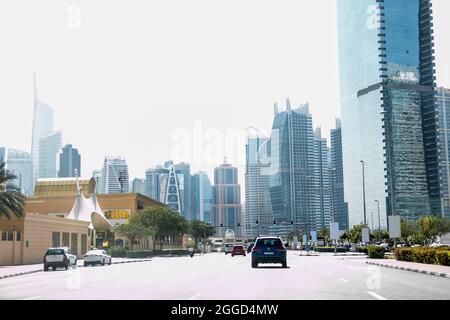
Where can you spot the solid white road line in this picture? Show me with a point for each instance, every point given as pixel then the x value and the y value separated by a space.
pixel 376 295
pixel 343 280
pixel 32 298
pixel 195 296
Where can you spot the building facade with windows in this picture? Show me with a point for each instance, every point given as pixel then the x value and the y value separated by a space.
pixel 49 147
pixel 388 108
pixel 443 105
pixel 227 208
pixel 69 161
pixel 201 195
pixel 19 164
pixel 114 176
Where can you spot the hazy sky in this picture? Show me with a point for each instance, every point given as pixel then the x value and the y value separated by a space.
pixel 143 79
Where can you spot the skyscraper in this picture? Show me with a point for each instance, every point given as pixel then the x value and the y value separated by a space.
pixel 201 195
pixel 183 171
pixel 19 163
pixel 138 186
pixel 258 208
pixel 114 177
pixel 97 175
pixel 339 206
pixel 155 183
pixel 292 168
pixel 227 209
pixel 321 192
pixel 69 161
pixel 443 104
pixel 388 108
pixel 43 125
pixel 2 154
pixel 49 147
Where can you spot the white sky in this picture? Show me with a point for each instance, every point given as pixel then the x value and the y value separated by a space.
pixel 137 73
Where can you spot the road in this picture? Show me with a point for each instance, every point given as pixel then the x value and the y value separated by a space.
pixel 216 276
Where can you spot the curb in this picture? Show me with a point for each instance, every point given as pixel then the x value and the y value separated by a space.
pixel 431 273
pixel 78 266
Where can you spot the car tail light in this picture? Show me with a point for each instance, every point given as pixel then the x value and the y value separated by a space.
pixel 65 258
pixel 257 249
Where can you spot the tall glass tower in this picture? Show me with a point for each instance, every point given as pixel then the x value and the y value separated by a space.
pixel 443 104
pixel 388 108
pixel 201 197
pixel 69 161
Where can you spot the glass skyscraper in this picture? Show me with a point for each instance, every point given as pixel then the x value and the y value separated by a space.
pixel 49 147
pixel 339 206
pixel 69 161
pixel 138 186
pixel 258 207
pixel 201 195
pixel 292 169
pixel 388 108
pixel 443 104
pixel 114 177
pixel 18 162
pixel 227 208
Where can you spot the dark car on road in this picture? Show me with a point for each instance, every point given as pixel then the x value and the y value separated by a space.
pixel 250 247
pixel 238 250
pixel 269 250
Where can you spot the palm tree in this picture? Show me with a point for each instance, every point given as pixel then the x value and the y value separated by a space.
pixel 11 200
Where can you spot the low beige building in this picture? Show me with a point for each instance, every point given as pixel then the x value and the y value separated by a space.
pixel 25 240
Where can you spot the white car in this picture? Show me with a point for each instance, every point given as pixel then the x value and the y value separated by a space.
pixel 94 257
pixel 59 258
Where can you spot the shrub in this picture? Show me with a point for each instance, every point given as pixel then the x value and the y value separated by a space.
pixel 139 254
pixel 443 258
pixel 424 255
pixel 330 249
pixel 118 252
pixel 362 250
pixel 375 252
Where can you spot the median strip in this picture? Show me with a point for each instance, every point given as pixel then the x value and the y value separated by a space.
pixel 421 271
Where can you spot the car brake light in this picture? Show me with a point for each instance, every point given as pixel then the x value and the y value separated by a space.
pixel 256 249
pixel 65 258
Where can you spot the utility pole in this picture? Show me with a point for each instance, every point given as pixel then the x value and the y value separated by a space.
pixel 379 219
pixel 364 191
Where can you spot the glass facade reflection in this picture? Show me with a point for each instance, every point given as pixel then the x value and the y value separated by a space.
pixel 387 102
pixel 443 104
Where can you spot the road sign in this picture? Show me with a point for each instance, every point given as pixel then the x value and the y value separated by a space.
pixel 365 235
pixel 314 236
pixel 334 231
pixel 395 231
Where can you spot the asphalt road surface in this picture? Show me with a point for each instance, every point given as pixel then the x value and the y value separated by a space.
pixel 217 276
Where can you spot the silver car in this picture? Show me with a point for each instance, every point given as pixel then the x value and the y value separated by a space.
pixel 94 257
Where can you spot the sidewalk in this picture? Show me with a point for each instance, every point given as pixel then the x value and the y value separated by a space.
pixel 12 271
pixel 431 269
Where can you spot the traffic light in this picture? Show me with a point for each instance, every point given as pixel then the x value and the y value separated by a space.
pixel 274 222
pixel 257 221
pixel 221 225
pixel 292 223
pixel 239 225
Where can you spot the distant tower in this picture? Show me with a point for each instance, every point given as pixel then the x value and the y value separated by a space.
pixel 69 161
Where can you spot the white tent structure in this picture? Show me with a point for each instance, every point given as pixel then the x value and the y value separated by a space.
pixel 88 209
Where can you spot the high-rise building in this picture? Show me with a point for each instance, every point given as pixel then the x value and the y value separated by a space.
pixel 258 208
pixel 292 169
pixel 339 206
pixel 388 108
pixel 49 147
pixel 138 186
pixel 201 195
pixel 321 192
pixel 114 177
pixel 443 104
pixel 97 174
pixel 69 161
pixel 183 171
pixel 43 125
pixel 227 208
pixel 19 164
pixel 2 154
pixel 155 180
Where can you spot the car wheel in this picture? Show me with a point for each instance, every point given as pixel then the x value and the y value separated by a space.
pixel 254 264
pixel 45 267
pixel 85 264
pixel 54 268
pixel 103 262
pixel 110 261
pixel 284 264
pixel 67 265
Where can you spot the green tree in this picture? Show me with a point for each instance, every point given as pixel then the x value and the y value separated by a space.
pixel 12 202
pixel 200 230
pixel 325 234
pixel 431 228
pixel 409 230
pixel 379 235
pixel 355 234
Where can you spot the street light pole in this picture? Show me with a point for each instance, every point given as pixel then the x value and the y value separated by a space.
pixel 364 191
pixel 379 219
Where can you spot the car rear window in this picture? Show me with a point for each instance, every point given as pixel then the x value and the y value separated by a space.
pixel 239 247
pixel 54 252
pixel 269 242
